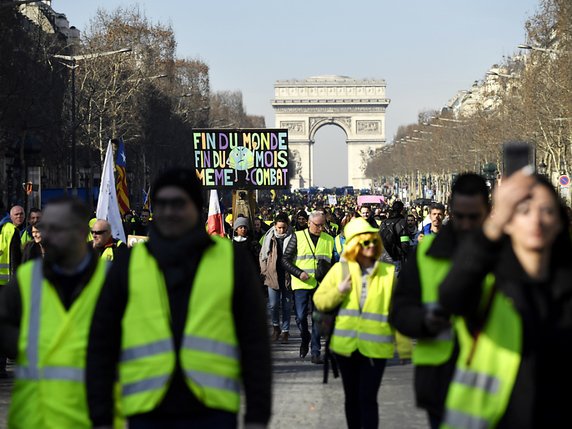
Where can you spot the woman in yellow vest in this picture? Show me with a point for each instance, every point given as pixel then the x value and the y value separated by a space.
pixel 362 341
pixel 512 285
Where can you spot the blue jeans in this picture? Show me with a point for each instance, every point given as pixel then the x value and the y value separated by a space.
pixel 281 298
pixel 302 301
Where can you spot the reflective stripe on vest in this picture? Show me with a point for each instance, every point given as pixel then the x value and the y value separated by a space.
pixel 432 272
pixel 455 419
pixel 363 336
pixel 477 380
pixel 367 316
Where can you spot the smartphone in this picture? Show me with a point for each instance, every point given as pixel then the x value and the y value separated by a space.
pixel 516 155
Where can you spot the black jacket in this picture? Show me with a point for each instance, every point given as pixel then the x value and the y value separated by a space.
pixel 178 261
pixel 541 395
pixel 401 248
pixel 408 315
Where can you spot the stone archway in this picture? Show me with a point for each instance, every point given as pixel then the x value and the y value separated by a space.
pixel 356 106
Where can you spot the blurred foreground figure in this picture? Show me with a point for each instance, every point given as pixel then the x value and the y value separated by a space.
pixel 416 311
pixel 45 313
pixel 512 286
pixel 182 322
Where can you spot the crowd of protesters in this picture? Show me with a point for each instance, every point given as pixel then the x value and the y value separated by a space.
pixel 477 292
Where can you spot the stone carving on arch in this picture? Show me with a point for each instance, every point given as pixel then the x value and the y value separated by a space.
pixel 316 123
pixel 356 106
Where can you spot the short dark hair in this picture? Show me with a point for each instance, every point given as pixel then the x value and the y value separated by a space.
pixel 282 217
pixel 436 206
pixel 397 207
pixel 77 208
pixel 34 210
pixel 470 184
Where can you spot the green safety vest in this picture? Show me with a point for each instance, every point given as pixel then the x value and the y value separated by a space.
pixel 49 390
pixel 432 272
pixel 209 354
pixel 308 255
pixel 335 228
pixel 365 329
pixel 482 385
pixel 6 234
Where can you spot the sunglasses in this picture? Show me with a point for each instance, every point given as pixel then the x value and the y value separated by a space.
pixel 100 232
pixel 176 203
pixel 368 243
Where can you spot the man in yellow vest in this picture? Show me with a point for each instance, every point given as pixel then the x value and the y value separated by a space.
pixel 10 256
pixel 45 313
pixel 307 258
pixel 182 322
pixel 416 312
pixel 103 242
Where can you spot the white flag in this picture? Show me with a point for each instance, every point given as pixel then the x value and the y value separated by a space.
pixel 107 205
pixel 215 225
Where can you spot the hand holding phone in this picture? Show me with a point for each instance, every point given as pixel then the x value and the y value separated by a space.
pixel 516 155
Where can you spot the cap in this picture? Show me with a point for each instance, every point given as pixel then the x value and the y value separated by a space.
pixel 358 226
pixel 240 221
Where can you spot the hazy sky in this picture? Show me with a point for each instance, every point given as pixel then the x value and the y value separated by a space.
pixel 426 50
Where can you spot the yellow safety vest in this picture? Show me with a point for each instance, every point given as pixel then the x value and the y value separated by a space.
pixel 6 234
pixel 49 390
pixel 432 272
pixel 308 255
pixel 26 237
pixel 365 329
pixel 107 254
pixel 209 352
pixel 482 385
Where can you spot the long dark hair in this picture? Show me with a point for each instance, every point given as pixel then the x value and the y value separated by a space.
pixel 562 246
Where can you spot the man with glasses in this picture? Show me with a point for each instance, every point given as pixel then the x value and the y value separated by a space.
pixel 416 312
pixel 103 242
pixel 45 314
pixel 307 257
pixel 182 322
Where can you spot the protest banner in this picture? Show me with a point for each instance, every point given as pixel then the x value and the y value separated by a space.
pixel 241 159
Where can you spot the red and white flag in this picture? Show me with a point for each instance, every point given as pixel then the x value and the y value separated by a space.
pixel 215 225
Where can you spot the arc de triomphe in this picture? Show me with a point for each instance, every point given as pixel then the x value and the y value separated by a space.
pixel 356 106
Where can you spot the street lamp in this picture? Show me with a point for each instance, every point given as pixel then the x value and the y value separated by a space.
pixel 497 74
pixel 73 60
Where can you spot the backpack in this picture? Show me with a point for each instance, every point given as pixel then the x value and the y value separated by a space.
pixel 390 238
